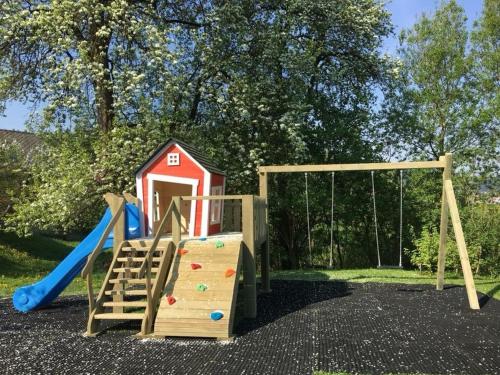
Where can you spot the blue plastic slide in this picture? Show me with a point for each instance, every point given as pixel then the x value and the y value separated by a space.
pixel 43 292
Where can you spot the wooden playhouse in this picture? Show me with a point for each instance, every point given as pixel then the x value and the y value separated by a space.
pixel 178 169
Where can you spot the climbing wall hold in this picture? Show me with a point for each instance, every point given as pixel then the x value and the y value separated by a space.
pixel 170 299
pixel 182 251
pixel 201 287
pixel 229 272
pixel 195 266
pixel 216 315
pixel 219 244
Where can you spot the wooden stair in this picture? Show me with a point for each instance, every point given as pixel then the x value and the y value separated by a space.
pixel 123 295
pixel 190 314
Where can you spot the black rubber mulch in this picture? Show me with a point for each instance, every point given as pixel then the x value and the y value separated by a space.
pixel 302 326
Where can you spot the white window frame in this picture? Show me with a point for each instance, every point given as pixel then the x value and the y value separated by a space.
pixel 178 180
pixel 216 206
pixel 173 158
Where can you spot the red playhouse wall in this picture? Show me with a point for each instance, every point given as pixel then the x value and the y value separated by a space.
pixel 186 168
pixel 217 180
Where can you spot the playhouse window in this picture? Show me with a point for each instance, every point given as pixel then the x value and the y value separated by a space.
pixel 173 158
pixel 216 206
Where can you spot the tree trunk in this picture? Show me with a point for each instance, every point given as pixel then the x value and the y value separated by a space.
pixel 103 87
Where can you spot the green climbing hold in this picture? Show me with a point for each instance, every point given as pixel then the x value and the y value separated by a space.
pixel 201 287
pixel 219 244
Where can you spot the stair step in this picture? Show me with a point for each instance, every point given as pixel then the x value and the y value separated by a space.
pixel 126 292
pixel 136 259
pixel 120 316
pixel 126 304
pixel 143 249
pixel 130 281
pixel 132 269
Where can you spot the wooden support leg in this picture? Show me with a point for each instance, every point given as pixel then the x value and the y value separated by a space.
pixel 265 254
pixel 249 279
pixel 443 233
pixel 443 228
pixel 462 249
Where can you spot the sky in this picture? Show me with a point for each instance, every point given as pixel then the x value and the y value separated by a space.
pixel 404 14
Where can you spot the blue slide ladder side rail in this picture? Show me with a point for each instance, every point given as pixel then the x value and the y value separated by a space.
pixel 43 292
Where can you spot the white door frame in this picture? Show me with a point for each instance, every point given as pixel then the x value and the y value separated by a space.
pixel 176 180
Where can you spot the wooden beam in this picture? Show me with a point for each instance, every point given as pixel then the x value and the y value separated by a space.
pixel 249 280
pixel 265 250
pixel 176 220
pixel 352 167
pixel 212 197
pixel 443 227
pixel 131 199
pixel 115 202
pixel 462 249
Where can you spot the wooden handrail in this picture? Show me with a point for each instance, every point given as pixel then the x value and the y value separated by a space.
pixel 147 264
pixel 89 266
pixel 95 253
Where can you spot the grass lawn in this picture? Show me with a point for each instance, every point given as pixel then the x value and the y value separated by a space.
pixel 486 285
pixel 26 260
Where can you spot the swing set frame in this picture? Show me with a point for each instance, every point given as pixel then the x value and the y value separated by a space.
pixel 448 208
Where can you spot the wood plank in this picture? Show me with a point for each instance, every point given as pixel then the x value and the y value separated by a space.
pixel 185 266
pixel 181 304
pixel 132 269
pixel 190 313
pixel 194 295
pixel 351 167
pixel 126 304
pixel 120 316
pixel 443 227
pixel 136 259
pixel 462 249
pixel 129 281
pixel 126 293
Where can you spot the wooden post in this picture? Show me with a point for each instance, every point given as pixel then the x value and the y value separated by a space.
pixel 265 251
pixel 114 202
pixel 249 277
pixel 176 220
pixel 443 228
pixel 131 199
pixel 462 249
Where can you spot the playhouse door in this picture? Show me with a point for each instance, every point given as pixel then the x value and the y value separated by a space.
pixel 163 193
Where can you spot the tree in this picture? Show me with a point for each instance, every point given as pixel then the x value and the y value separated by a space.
pixel 97 59
pixel 486 53
pixel 12 172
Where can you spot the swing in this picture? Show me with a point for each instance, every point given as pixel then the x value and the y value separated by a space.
pixel 330 264
pixel 400 222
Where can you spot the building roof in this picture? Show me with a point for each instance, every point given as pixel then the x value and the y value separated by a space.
pixel 27 141
pixel 196 154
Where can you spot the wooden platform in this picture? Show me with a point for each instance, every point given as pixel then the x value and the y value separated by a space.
pixel 190 314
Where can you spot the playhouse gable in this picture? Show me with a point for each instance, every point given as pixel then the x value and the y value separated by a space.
pixel 177 168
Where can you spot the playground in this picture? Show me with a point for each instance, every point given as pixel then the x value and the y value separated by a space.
pixel 301 327
pixel 183 271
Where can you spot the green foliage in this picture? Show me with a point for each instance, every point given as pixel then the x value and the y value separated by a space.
pixel 12 173
pixel 481 230
pixel 61 196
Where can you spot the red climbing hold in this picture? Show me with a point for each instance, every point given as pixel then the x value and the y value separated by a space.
pixel 230 272
pixel 170 299
pixel 182 251
pixel 195 266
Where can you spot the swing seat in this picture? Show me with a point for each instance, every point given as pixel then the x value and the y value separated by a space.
pixel 383 267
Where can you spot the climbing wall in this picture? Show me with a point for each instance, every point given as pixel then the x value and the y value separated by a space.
pixel 199 299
